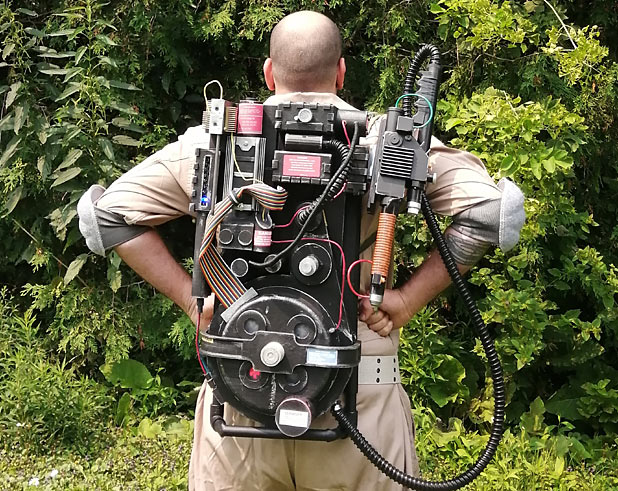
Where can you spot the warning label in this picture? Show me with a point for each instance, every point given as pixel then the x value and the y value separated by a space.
pixel 250 119
pixel 262 238
pixel 302 165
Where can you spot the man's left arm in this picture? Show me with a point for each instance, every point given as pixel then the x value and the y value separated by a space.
pixel 484 213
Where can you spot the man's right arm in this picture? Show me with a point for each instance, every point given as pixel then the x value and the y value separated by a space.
pixel 123 216
pixel 150 258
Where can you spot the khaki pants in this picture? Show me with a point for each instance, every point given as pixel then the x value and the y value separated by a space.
pixel 247 464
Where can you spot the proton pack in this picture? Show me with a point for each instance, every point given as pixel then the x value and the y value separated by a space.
pixel 278 197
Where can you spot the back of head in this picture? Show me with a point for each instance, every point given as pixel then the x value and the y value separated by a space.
pixel 305 48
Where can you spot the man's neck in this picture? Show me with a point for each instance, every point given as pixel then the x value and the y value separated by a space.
pixel 318 90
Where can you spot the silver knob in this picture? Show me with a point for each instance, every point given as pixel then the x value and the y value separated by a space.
pixel 308 265
pixel 272 354
pixel 305 115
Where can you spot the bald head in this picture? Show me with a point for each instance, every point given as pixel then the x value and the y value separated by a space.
pixel 305 48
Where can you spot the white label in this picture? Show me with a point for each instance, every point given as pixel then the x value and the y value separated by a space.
pixel 288 417
pixel 321 357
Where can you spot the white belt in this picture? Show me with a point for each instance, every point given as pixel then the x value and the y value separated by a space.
pixel 374 370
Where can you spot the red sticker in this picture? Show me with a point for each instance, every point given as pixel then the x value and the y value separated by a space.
pixel 262 238
pixel 250 119
pixel 297 165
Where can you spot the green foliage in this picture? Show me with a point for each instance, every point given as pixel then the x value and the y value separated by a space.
pixel 129 461
pixel 534 457
pixel 91 88
pixel 147 394
pixel 535 100
pixel 43 403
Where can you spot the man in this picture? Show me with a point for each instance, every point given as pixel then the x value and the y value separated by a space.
pixel 305 64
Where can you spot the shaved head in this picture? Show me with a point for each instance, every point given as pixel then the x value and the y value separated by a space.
pixel 305 48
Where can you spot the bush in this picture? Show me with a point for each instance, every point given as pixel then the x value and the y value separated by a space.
pixel 44 404
pixel 92 88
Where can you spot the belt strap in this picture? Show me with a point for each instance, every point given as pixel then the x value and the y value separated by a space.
pixel 375 370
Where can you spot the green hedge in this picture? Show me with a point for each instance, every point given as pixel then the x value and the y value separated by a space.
pixel 91 88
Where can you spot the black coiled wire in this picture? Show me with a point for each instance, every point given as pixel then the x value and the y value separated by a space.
pixel 341 149
pixel 497 427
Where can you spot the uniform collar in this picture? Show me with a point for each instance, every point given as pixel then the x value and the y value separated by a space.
pixel 319 97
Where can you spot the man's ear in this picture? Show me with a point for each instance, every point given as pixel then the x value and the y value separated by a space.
pixel 268 74
pixel 340 74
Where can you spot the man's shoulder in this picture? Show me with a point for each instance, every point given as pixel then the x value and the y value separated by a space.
pixel 184 147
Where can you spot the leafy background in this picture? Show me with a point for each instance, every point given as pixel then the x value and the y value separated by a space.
pixel 88 89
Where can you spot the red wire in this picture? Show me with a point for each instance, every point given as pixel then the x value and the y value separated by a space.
pixel 348 276
pixel 342 269
pixel 345 131
pixel 345 185
pixel 197 343
pixel 292 220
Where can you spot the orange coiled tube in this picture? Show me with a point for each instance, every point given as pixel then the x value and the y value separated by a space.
pixel 383 249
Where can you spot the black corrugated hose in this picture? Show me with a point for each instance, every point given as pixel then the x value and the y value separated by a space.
pixel 497 427
pixel 496 374
pixel 425 51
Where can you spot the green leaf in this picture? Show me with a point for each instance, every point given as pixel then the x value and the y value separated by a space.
pixel 8 49
pixel 66 175
pixel 123 108
pixel 532 421
pixel 128 374
pixel 535 166
pixel 105 40
pixel 20 113
pixel 40 164
pixel 79 53
pixel 7 122
pixel 11 148
pixel 70 90
pixel 75 267
pixel 126 140
pixel 34 32
pixel 123 85
pixel 436 8
pixel 107 147
pixel 54 71
pixel 181 88
pixel 71 72
pixel 10 97
pixel 62 32
pixel 165 82
pixel 13 199
pixel 29 12
pixel 70 159
pixel 123 409
pixel 564 404
pixel 108 61
pixel 114 276
pixel 507 166
pixel 127 125
pixel 148 429
pixel 550 165
pixel 52 53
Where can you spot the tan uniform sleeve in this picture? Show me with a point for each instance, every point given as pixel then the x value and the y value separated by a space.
pixel 462 180
pixel 158 189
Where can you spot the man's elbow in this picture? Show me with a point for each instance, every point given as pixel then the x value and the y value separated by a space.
pixel 493 222
pixel 103 229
